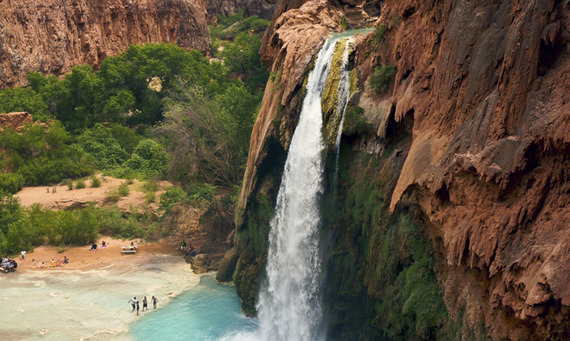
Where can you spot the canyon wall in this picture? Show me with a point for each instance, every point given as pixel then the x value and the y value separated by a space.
pixel 52 36
pixel 463 163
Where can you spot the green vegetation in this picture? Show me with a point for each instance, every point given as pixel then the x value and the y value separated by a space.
pixel 343 23
pixel 381 280
pixel 80 184
pixel 11 183
pixel 153 112
pixel 95 181
pixel 355 122
pixel 378 34
pixel 23 228
pixel 381 77
pixel 330 95
pixel 237 41
pixel 42 155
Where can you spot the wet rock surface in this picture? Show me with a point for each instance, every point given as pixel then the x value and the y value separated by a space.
pixel 481 91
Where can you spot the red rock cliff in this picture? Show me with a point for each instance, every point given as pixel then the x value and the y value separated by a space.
pixel 483 89
pixel 52 36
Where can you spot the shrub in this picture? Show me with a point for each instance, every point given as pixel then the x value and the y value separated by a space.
pixel 123 189
pixel 95 181
pixel 69 183
pixel 106 150
pixel 80 184
pixel 11 182
pixel 149 158
pixel 149 188
pixel 379 33
pixel 380 77
pixel 343 23
pixel 171 197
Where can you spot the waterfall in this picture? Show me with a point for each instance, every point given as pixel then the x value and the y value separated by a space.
pixel 289 304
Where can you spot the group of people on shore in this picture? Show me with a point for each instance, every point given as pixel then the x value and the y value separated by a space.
pixel 187 249
pixel 94 246
pixel 136 306
pixel 53 263
pixel 9 264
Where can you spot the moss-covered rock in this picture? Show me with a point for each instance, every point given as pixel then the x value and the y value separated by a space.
pixel 380 280
pixel 227 266
pixel 329 101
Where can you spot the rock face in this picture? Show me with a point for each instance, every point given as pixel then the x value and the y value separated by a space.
pixel 481 93
pixel 263 9
pixel 15 120
pixel 52 36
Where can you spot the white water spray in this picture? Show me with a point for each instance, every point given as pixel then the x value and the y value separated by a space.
pixel 289 306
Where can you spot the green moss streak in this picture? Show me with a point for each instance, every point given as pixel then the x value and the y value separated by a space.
pixel 329 101
pixel 380 278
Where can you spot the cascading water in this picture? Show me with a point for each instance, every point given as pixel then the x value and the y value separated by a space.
pixel 289 305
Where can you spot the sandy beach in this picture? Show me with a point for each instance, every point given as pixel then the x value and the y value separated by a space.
pixel 88 298
pixel 81 258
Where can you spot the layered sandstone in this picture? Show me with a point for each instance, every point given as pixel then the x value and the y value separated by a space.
pixel 52 36
pixel 262 8
pixel 486 87
pixel 14 120
pixel 482 90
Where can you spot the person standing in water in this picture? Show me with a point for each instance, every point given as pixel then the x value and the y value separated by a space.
pixel 137 308
pixel 145 305
pixel 133 302
pixel 154 301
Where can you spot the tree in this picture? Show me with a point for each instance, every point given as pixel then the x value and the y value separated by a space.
pixel 199 134
pixel 23 99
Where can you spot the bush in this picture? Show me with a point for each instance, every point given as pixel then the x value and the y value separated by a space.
pixel 123 189
pixel 95 181
pixel 149 159
pixel 11 183
pixel 149 188
pixel 80 184
pixel 380 77
pixel 69 184
pixel 106 150
pixel 171 197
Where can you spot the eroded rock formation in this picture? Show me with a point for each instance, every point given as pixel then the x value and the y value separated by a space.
pixel 261 8
pixel 52 36
pixel 481 93
pixel 14 120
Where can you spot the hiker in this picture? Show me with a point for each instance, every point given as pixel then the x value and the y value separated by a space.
pixel 154 301
pixel 182 245
pixel 133 302
pixel 145 305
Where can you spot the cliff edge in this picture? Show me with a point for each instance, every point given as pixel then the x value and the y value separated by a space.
pixel 52 36
pixel 480 92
